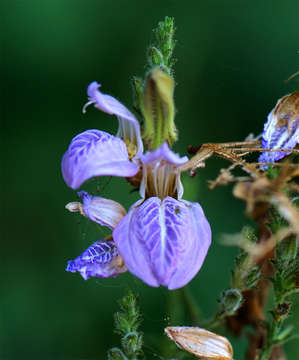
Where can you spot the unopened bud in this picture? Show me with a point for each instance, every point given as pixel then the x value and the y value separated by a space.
pixel 200 342
pixel 132 342
pixel 116 354
pixel 155 56
pixel 158 110
pixel 286 251
pixel 230 302
pixel 103 211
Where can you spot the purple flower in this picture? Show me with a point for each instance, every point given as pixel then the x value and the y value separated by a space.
pixel 97 153
pixel 100 260
pixel 281 131
pixel 163 239
pixel 164 242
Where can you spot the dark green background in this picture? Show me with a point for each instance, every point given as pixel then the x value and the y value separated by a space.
pixel 233 59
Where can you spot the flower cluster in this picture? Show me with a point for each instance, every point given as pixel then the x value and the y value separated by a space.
pixel 163 239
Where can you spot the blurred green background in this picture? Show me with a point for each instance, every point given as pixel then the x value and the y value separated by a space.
pixel 233 59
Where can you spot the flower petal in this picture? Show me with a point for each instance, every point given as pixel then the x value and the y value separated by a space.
pixel 103 211
pixel 281 129
pixel 108 104
pixel 161 176
pixel 164 242
pixel 129 128
pixel 101 260
pixel 163 153
pixel 95 153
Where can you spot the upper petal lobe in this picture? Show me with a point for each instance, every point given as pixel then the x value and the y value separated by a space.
pixel 108 103
pixel 95 153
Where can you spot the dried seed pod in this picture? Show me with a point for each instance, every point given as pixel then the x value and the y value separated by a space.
pixel 200 342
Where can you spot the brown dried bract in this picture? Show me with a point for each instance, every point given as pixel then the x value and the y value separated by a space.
pixel 200 342
pixel 287 110
pixel 231 151
pixel 272 192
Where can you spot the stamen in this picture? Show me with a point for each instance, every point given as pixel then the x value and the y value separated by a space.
pixel 161 180
pixel 86 106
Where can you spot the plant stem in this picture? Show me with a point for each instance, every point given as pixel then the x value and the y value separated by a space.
pixel 190 306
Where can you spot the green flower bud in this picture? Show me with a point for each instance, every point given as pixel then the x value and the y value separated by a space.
pixel 132 343
pixel 286 252
pixel 155 56
pixel 158 110
pixel 230 302
pixel 116 354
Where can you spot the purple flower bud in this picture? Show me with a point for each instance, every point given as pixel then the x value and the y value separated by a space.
pixel 164 242
pixel 103 211
pixel 100 260
pixel 95 153
pixel 281 131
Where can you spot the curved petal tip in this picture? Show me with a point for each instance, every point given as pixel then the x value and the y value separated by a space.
pixel 164 153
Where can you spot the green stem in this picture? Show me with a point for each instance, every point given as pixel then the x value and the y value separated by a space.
pixel 191 307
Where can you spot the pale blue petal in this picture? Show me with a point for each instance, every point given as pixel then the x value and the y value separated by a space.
pixel 163 153
pixel 95 153
pixel 164 242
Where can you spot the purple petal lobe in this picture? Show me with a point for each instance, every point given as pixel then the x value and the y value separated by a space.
pixel 100 260
pixel 103 211
pixel 95 153
pixel 163 153
pixel 164 242
pixel 108 104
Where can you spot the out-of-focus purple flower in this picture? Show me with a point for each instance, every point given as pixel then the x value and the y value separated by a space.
pixel 281 131
pixel 96 153
pixel 163 239
pixel 100 260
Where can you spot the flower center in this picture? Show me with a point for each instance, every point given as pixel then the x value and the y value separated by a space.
pixel 130 133
pixel 161 179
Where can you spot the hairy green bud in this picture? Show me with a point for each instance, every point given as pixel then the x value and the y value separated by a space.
pixel 230 302
pixel 116 354
pixel 160 52
pixel 132 343
pixel 158 110
pixel 126 322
